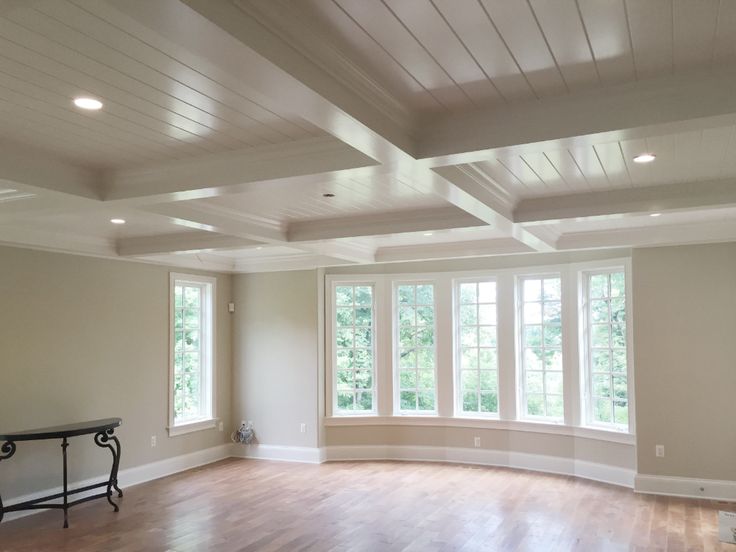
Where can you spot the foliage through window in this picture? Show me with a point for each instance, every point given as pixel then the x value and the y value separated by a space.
pixel 416 356
pixel 354 351
pixel 541 347
pixel 606 351
pixel 477 347
pixel 192 338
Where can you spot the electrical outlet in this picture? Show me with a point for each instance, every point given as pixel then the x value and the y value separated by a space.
pixel 659 451
pixel 153 441
pixel 303 428
pixel 221 426
pixel 476 442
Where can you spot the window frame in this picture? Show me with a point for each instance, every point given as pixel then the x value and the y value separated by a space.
pixel 457 348
pixel 208 284
pixel 585 347
pixel 521 409
pixel 395 329
pixel 331 307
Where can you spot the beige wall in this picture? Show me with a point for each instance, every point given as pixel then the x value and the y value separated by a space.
pixel 84 338
pixel 276 356
pixel 685 328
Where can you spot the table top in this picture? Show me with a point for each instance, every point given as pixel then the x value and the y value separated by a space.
pixel 59 432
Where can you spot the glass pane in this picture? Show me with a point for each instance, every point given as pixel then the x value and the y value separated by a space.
pixel 364 295
pixel 191 340
pixel 601 360
pixel 425 400
pixel 618 286
pixel 363 379
pixel 345 401
pixel 487 292
pixel 469 336
pixel 407 316
pixel 553 312
pixel 469 293
pixel 191 297
pixel 425 337
pixel 426 379
pixel 487 314
pixel 408 359
pixel 555 407
pixel 532 313
pixel 408 379
pixel 553 360
pixel 619 361
pixel 469 379
pixel 363 337
pixel 407 337
pixel 552 289
pixel 425 316
pixel 535 405
pixel 599 286
pixel 488 402
pixel 425 294
pixel 362 358
pixel 344 295
pixel 468 315
pixel 470 402
pixel 534 382
pixel 178 300
pixel 489 380
pixel 533 336
pixel 406 294
pixel 178 319
pixel 618 310
pixel 618 335
pixel 190 362
pixel 469 359
pixel 532 290
pixel 621 412
pixel 178 341
pixel 178 363
pixel 599 311
pixel 425 359
pixel 554 383
pixel 488 359
pixel 363 316
pixel 602 410
pixel 533 359
pixel 344 337
pixel 364 400
pixel 408 400
pixel 344 380
pixel 599 336
pixel 601 385
pixel 620 390
pixel 552 336
pixel 344 359
pixel 344 317
pixel 487 336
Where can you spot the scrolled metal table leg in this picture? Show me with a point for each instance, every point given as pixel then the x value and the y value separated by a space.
pixel 107 439
pixel 6 451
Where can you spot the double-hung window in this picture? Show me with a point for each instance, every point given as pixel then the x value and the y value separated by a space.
pixel 605 352
pixel 192 382
pixel 540 330
pixel 476 349
pixel 415 353
pixel 354 349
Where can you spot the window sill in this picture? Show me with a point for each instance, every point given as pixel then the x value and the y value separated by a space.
pixel 484 423
pixel 191 427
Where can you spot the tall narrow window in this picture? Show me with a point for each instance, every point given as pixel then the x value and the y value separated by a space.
pixel 415 350
pixel 476 351
pixel 354 349
pixel 541 348
pixel 192 357
pixel 607 384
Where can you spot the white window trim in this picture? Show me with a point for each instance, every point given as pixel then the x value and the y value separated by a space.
pixel 573 423
pixel 395 328
pixel 584 350
pixel 210 421
pixel 457 352
pixel 521 415
pixel 331 359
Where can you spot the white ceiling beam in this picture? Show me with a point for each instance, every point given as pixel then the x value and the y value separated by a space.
pixel 344 252
pixel 30 170
pixel 395 222
pixel 631 110
pixel 451 250
pixel 179 243
pixel 649 199
pixel 232 171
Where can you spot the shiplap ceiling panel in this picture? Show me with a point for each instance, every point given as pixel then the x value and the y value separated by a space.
pixel 280 204
pixel 694 32
pixel 651 27
pixel 156 107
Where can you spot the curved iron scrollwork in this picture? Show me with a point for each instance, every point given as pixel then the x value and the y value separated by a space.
pixel 107 439
pixel 7 450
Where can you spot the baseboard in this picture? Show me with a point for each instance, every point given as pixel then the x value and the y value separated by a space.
pixel 308 455
pixel 536 462
pixel 687 487
pixel 132 476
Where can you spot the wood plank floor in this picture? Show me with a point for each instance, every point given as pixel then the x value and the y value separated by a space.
pixel 249 505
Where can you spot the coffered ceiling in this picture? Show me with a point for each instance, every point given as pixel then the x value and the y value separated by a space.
pixel 254 135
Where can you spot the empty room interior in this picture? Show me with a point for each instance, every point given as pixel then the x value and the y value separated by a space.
pixel 367 275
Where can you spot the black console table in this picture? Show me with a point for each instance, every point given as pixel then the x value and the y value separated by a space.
pixel 104 437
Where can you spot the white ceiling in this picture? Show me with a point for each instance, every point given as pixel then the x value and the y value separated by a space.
pixel 499 128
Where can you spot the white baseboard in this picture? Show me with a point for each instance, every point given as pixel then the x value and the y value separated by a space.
pixel 131 476
pixel 308 455
pixel 688 487
pixel 536 462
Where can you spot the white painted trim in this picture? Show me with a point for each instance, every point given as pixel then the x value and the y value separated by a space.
pixel 483 423
pixel 536 462
pixel 688 487
pixel 132 476
pixel 307 455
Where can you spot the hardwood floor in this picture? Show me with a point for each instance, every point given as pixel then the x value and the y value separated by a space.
pixel 249 505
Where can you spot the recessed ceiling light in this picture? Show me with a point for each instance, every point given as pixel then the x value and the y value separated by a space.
pixel 428 233
pixel 328 195
pixel 655 214
pixel 259 248
pixel 88 103
pixel 645 158
pixel 117 221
